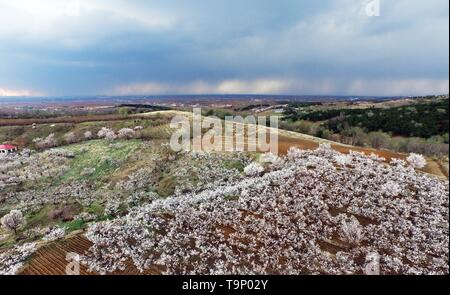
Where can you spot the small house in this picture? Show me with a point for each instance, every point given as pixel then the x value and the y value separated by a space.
pixel 7 149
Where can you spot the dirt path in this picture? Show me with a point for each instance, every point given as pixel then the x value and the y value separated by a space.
pixel 288 139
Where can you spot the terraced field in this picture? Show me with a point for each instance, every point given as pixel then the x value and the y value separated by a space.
pixel 51 259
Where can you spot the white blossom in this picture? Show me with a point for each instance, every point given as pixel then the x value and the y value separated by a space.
pixel 112 207
pixel 48 142
pixel 290 220
pixel 86 217
pixel 417 161
pixel 54 234
pixel 351 230
pixel 253 169
pixel 107 134
pixel 88 135
pixel 12 260
pixel 391 188
pixel 126 133
pixel 13 220
pixel 269 158
pixel 343 159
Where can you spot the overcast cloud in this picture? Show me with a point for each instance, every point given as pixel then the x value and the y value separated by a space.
pixel 57 47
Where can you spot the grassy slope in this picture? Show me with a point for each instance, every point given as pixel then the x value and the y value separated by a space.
pixel 103 156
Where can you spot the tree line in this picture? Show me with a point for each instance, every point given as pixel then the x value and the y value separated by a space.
pixel 419 120
pixel 419 128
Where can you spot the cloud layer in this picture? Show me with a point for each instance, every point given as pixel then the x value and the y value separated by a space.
pixel 82 47
pixel 18 92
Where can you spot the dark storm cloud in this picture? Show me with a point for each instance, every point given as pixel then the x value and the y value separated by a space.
pixel 124 47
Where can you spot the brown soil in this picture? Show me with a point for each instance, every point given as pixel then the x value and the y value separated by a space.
pixel 51 259
pixel 284 143
pixel 76 120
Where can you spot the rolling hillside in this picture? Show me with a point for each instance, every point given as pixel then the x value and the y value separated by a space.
pixel 63 191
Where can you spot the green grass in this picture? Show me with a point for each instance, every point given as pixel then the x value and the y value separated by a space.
pixel 75 225
pixel 45 130
pixel 231 198
pixel 9 133
pixel 104 156
pixel 230 164
pixel 96 209
pixel 166 186
pixel 39 217
pixel 8 242
pixel 24 135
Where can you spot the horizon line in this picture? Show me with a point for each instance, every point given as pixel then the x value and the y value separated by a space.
pixel 213 94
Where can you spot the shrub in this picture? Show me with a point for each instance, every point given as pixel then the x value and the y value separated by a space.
pixel 88 135
pixel 106 133
pixel 70 138
pixel 48 142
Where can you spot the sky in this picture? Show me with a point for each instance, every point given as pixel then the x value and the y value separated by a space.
pixel 323 47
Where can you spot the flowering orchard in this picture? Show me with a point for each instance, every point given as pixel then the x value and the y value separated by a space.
pixel 311 212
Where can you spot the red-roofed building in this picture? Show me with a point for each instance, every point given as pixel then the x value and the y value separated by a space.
pixel 7 148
